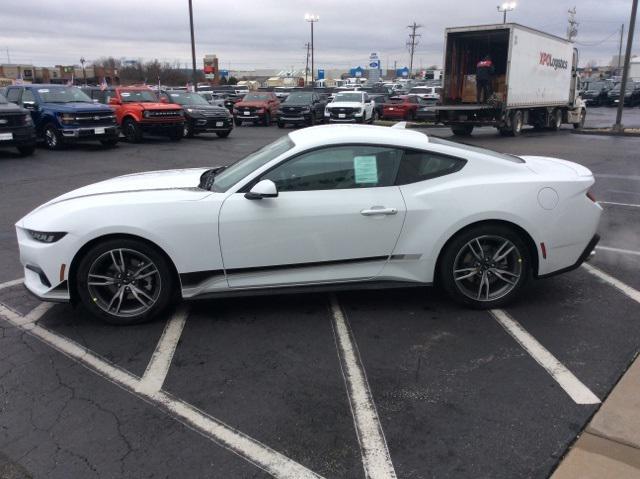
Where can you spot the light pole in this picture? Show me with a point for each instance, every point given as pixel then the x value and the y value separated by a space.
pixel 84 72
pixel 625 70
pixel 193 50
pixel 506 7
pixel 309 17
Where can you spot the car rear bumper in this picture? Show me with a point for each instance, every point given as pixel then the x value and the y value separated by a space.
pixel 588 252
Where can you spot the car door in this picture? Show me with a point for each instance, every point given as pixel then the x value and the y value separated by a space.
pixel 337 217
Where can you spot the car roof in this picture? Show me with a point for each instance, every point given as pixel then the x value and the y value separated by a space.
pixel 369 134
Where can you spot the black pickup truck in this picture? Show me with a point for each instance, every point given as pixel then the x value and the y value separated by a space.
pixel 16 127
pixel 301 108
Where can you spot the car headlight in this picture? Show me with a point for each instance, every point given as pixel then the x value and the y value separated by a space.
pixel 66 118
pixel 190 110
pixel 45 236
pixel 146 114
pixel 260 110
pixel 358 111
pixel 327 112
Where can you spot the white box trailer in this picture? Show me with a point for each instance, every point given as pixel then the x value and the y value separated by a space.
pixel 535 80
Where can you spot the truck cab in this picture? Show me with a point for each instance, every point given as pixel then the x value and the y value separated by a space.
pixel 350 107
pixel 64 114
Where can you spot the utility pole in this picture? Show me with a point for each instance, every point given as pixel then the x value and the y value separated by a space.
pixel 8 56
pixel 620 49
pixel 572 28
pixel 306 70
pixel 412 43
pixel 193 50
pixel 625 71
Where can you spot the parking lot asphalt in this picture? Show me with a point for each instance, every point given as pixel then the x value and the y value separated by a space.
pixel 399 383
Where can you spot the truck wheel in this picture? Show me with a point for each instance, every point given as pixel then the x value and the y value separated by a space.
pixel 516 124
pixel 280 124
pixel 176 134
pixel 26 150
pixel 188 130
pixel 266 121
pixel 556 119
pixel 132 131
pixel 237 121
pixel 462 130
pixel 52 139
pixel 583 117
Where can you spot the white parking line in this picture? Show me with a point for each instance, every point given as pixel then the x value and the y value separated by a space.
pixel 616 283
pixel 9 284
pixel 618 204
pixel 618 250
pixel 373 445
pixel 158 367
pixel 565 378
pixel 262 456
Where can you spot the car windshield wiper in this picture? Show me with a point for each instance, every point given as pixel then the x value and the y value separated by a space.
pixel 207 178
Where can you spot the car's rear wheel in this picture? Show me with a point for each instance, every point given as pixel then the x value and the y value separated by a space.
pixel 485 266
pixel 124 281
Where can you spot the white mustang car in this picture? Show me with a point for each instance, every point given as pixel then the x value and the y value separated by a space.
pixel 340 206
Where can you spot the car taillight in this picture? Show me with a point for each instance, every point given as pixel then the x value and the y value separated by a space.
pixel 591 196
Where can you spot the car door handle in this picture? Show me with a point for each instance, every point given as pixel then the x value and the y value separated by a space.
pixel 378 210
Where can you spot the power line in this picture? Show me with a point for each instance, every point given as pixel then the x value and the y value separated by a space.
pixel 412 43
pixel 600 42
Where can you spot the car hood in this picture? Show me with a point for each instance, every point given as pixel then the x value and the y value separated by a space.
pixel 259 104
pixel 153 106
pixel 11 108
pixel 137 182
pixel 297 105
pixel 78 107
pixel 344 104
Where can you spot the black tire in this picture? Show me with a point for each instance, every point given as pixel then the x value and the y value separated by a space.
pixel 517 121
pixel 160 287
pixel 462 130
pixel 223 134
pixel 132 131
pixel 109 143
pixel 583 117
pixel 52 138
pixel 312 119
pixel 555 122
pixel 26 150
pixel 481 273
pixel 412 116
pixel 188 130
pixel 176 134
pixel 280 124
pixel 266 120
pixel 237 121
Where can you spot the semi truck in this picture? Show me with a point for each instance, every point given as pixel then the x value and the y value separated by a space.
pixel 534 80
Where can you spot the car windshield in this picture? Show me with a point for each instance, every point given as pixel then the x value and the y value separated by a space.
pixel 298 97
pixel 420 89
pixel 476 149
pixel 138 96
pixel 357 97
pixel 62 94
pixel 249 164
pixel 256 97
pixel 595 86
pixel 3 100
pixel 184 98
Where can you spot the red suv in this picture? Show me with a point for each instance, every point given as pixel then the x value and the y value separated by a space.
pixel 139 111
pixel 257 107
pixel 401 108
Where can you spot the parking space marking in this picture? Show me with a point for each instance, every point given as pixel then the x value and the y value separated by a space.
pixel 618 204
pixel 618 177
pixel 9 284
pixel 376 459
pixel 618 250
pixel 158 367
pixel 253 451
pixel 616 283
pixel 580 393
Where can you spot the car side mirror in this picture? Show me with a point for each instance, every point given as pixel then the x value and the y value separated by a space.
pixel 30 105
pixel 262 189
pixel 114 101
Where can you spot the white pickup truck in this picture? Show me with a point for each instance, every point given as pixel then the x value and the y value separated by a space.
pixel 350 107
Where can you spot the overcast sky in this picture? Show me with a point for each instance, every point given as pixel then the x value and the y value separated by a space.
pixel 271 33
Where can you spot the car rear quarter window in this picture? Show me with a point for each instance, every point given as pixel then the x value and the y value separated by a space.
pixel 476 149
pixel 418 166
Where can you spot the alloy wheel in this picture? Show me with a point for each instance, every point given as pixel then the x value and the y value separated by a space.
pixel 124 282
pixel 487 268
pixel 51 138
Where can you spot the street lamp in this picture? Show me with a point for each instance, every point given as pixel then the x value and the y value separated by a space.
pixel 84 72
pixel 506 7
pixel 309 17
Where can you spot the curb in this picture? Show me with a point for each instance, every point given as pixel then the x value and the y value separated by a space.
pixel 600 132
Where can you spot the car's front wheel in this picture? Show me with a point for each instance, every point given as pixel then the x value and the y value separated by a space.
pixel 124 281
pixel 485 266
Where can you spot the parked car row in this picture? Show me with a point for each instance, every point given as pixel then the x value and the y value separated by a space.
pixel 60 114
pixel 606 93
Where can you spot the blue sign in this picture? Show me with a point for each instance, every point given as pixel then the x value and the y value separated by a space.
pixel 356 72
pixel 320 74
pixel 374 65
pixel 402 72
pixel 224 73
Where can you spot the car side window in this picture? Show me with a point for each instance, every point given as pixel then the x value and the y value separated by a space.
pixel 337 168
pixel 13 95
pixel 424 165
pixel 27 97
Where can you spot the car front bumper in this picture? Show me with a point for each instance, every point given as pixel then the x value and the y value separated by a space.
pixel 20 136
pixel 203 125
pixel 94 132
